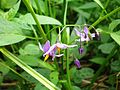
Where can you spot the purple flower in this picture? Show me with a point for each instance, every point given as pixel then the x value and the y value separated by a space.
pixel 84 36
pixel 77 63
pixel 81 50
pixel 51 50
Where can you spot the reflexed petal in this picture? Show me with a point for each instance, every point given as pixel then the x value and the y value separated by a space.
pixel 93 34
pixel 64 46
pixel 77 32
pixel 52 48
pixel 59 55
pixel 70 46
pixel 77 63
pixel 86 30
pixel 40 47
pixel 46 46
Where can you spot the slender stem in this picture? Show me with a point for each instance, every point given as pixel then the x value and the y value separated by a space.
pixel 104 17
pixel 46 8
pixel 36 36
pixel 64 36
pixel 65 12
pixel 50 9
pixel 68 71
pixel 29 7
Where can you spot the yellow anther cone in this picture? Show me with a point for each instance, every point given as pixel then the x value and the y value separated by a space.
pixel 46 57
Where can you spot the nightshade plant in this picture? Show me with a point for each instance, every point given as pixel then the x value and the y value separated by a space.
pixel 59 45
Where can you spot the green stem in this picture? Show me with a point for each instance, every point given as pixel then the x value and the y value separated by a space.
pixel 38 6
pixel 68 71
pixel 35 33
pixel 65 11
pixel 50 9
pixel 46 8
pixel 102 68
pixel 104 17
pixel 29 7
pixel 65 35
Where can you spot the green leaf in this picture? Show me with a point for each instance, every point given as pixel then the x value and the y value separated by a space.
pixel 30 60
pixel 10 32
pixel 9 27
pixel 88 5
pixel 116 37
pixel 41 4
pixel 111 80
pixel 98 60
pixel 6 4
pixel 113 24
pixel 1 79
pixel 40 86
pixel 3 70
pixel 53 37
pixel 44 72
pixel 12 12
pixel 75 88
pixel 28 19
pixel 46 65
pixel 115 66
pixel 79 75
pixel 54 77
pixel 34 61
pixel 105 37
pixel 7 39
pixel 83 13
pixel 106 47
pixel 99 3
pixel 31 49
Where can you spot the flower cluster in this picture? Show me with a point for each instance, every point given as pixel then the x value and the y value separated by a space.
pixel 84 36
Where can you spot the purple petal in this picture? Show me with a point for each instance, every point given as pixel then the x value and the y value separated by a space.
pixel 64 46
pixel 53 57
pixel 52 53
pixel 86 30
pixel 77 63
pixel 51 49
pixel 85 38
pixel 46 46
